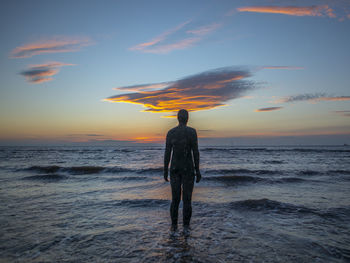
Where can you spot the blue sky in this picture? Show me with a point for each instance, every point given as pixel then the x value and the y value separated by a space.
pixel 245 69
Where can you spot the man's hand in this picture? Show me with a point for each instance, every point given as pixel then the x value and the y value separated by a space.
pixel 198 176
pixel 166 175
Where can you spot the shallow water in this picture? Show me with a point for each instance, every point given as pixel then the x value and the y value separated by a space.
pixel 104 204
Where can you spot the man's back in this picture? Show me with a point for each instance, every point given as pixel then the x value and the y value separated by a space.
pixel 182 141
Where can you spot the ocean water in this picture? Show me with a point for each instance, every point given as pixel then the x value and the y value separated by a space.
pixel 110 204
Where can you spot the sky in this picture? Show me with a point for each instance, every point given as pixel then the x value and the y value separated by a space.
pixel 249 72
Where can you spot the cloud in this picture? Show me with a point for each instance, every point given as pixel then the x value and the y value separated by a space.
pixel 145 87
pixel 159 38
pixel 205 130
pixel 282 67
pixel 167 41
pixel 339 98
pixel 204 30
pixel 315 10
pixel 202 91
pixel 166 48
pixel 345 113
pixel 312 97
pixel 269 109
pixel 85 134
pixel 300 97
pixel 43 72
pixel 148 139
pixel 53 45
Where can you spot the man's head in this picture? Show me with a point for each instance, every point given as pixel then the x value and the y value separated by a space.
pixel 182 116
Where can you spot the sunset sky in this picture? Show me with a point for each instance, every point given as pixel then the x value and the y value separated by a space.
pixel 248 71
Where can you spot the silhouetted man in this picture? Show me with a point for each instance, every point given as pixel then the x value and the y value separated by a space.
pixel 182 142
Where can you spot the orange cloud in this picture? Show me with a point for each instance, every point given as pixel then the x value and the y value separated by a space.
pixel 340 98
pixel 54 45
pixel 315 10
pixel 43 72
pixel 149 139
pixel 40 80
pixel 268 109
pixel 203 91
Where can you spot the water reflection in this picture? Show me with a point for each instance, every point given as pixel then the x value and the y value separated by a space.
pixel 178 247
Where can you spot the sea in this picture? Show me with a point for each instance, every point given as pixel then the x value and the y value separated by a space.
pixel 111 204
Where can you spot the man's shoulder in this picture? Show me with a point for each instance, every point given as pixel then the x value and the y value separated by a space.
pixel 172 130
pixel 192 130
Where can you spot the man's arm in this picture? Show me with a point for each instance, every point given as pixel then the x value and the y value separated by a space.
pixel 167 154
pixel 196 156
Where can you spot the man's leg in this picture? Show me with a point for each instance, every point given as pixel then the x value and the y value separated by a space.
pixel 187 198
pixel 175 182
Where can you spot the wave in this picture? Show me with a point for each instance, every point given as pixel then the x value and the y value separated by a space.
pixel 57 177
pixel 342 213
pixel 150 170
pixel 129 178
pixel 215 149
pixel 124 150
pixel 335 172
pixel 81 170
pixel 347 172
pixel 212 149
pixel 291 180
pixel 58 149
pixel 263 149
pixel 231 179
pixel 72 170
pixel 243 171
pixel 271 206
pixel 43 169
pixel 238 179
pixel 273 162
pixel 78 170
pixel 46 177
pixel 309 172
pixel 136 203
pixel 320 150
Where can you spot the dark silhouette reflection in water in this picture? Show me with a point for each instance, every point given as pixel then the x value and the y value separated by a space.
pixel 179 250
pixel 182 147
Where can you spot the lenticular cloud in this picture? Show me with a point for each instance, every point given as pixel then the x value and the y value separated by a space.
pixel 202 91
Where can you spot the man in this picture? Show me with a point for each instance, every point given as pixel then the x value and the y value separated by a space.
pixel 182 142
